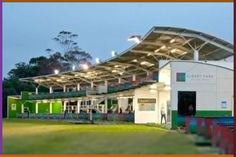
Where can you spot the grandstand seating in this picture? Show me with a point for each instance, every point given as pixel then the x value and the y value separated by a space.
pixel 82 93
pixel 128 117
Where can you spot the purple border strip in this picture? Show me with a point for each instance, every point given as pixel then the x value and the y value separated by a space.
pixel 1 102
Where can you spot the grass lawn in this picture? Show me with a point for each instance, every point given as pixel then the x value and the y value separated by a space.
pixel 40 137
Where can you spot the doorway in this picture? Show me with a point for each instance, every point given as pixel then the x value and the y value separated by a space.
pixel 71 107
pixel 186 103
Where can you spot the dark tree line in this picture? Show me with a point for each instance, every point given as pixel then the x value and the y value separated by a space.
pixel 69 55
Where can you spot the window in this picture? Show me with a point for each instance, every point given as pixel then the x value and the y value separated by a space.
pixel 146 104
pixel 13 107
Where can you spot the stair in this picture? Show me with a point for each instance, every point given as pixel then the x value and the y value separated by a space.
pixel 97 106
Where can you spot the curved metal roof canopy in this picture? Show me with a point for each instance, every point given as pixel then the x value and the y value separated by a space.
pixel 160 43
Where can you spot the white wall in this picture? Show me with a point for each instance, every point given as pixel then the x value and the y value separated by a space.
pixel 161 95
pixel 145 116
pixel 123 104
pixel 213 85
pixel 165 75
pixel 224 88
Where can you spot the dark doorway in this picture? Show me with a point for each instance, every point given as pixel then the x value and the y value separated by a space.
pixel 72 107
pixel 186 103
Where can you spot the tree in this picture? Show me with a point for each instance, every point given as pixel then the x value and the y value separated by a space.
pixel 76 58
pixel 70 55
pixel 40 62
pixel 73 55
pixel 48 65
pixel 22 70
pixel 66 41
pixel 13 86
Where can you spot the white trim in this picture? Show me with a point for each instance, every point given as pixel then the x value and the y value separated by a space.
pixel 50 107
pixel 36 107
pixel 198 62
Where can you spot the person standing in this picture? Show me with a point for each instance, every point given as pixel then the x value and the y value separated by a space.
pixel 65 114
pixel 91 116
pixel 191 110
pixel 120 111
pixel 163 114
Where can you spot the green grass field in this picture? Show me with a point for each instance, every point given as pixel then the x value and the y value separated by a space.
pixel 40 137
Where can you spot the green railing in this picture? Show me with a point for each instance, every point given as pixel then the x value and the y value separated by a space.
pixel 56 95
pixel 128 85
pixel 127 117
pixel 111 89
pixel 120 87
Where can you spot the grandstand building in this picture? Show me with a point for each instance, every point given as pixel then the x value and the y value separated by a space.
pixel 180 71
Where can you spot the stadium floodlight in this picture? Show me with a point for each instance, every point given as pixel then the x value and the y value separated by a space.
pixel 173 50
pixel 56 71
pixel 163 47
pixel 58 80
pixel 172 40
pixel 37 80
pixel 184 53
pixel 143 63
pixel 84 66
pixel 113 53
pixel 114 71
pixel 97 60
pixel 73 67
pixel 157 50
pixel 136 38
pixel 121 73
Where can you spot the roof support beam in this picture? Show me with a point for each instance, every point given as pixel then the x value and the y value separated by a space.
pixel 54 83
pixel 196 36
pixel 202 45
pixel 81 78
pixel 187 41
pixel 129 64
pixel 166 44
pixel 212 51
pixel 109 73
pixel 156 43
pixel 102 77
pixel 154 53
pixel 69 78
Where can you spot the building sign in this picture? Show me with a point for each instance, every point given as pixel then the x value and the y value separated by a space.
pixel 199 76
pixel 183 77
pixel 13 107
pixel 146 100
pixel 146 104
pixel 223 104
pixel 180 77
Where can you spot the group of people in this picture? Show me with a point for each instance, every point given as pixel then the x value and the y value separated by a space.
pixel 68 111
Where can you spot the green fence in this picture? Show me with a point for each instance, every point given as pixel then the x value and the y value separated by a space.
pixel 128 85
pixel 111 89
pixel 80 117
pixel 56 95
